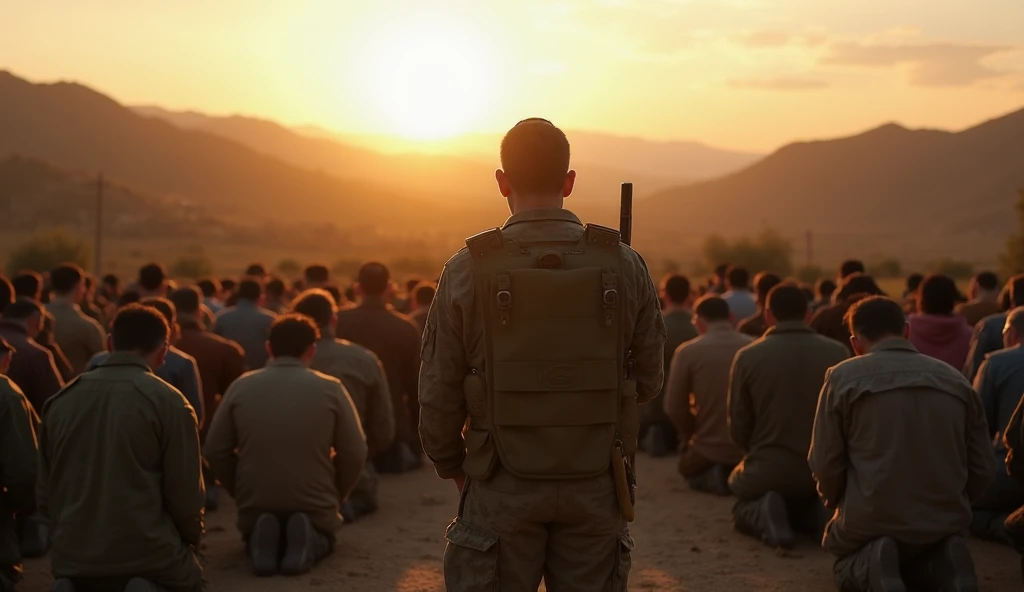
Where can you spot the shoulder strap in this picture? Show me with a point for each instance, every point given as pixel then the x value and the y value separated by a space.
pixel 485 242
pixel 601 235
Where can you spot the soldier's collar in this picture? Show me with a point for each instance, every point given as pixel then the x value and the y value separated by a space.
pixel 893 344
pixel 286 361
pixel 541 214
pixel 790 327
pixel 120 358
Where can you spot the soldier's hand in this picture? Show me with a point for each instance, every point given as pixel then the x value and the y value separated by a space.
pixel 460 482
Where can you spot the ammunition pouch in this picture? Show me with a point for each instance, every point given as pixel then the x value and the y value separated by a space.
pixel 481 456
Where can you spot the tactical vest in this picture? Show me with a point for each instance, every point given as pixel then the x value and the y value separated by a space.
pixel 548 401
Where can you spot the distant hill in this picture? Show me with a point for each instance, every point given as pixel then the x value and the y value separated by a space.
pixel 952 191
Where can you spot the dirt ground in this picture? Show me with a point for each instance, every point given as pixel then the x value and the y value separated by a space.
pixel 684 542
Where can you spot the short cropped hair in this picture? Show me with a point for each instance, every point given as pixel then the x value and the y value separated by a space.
pixel 938 295
pixel 128 297
pixel 914 282
pixel 139 328
pixel 256 270
pixel 111 280
pixel 876 317
pixel 712 308
pixel 374 278
pixel 250 289
pixel 764 282
pixel 535 156
pixel 1017 291
pixel 859 283
pixel 292 335
pixel 1015 319
pixel 228 285
pixel 152 277
pixel 850 267
pixel 28 284
pixel 987 281
pixel 787 302
pixel 677 288
pixel 317 274
pixel 66 277
pixel 738 277
pixel 22 309
pixel 825 288
pixel 721 269
pixel 424 293
pixel 317 304
pixel 210 287
pixel 187 300
pixel 275 287
pixel 165 306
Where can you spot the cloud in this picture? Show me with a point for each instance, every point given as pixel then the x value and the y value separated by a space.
pixel 937 64
pixel 760 39
pixel 781 83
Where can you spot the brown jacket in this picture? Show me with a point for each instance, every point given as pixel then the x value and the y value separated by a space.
pixel 754 326
pixel 220 362
pixel 975 311
pixel 697 391
pixel 900 449
pixel 773 392
pixel 80 337
pixel 287 439
pixel 32 367
pixel 829 322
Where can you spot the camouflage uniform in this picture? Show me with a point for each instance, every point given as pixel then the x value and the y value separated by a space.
pixel 511 530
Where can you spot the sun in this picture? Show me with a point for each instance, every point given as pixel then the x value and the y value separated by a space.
pixel 429 82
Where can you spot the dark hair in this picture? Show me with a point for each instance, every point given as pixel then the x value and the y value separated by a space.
pixel 6 293
pixel 712 308
pixel 764 282
pixel 424 293
pixel 739 277
pixel 987 281
pixel 1017 291
pixel 721 269
pixel 850 267
pixel 256 270
pixel 152 277
pixel 318 274
pixel 316 304
pixel 128 297
pixel 859 283
pixel 914 282
pixel 350 294
pixel 209 287
pixel 139 328
pixel 825 288
pixel 292 335
pixel 275 287
pixel 250 289
pixel 165 306
pixel 22 309
pixel 677 288
pixel 374 278
pixel 876 317
pixel 28 284
pixel 410 285
pixel 111 280
pixel 937 295
pixel 228 285
pixel 187 300
pixel 335 293
pixel 65 278
pixel 787 303
pixel 535 156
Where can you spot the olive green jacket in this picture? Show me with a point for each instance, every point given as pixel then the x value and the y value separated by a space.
pixel 18 423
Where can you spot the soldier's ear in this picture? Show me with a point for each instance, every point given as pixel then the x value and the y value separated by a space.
pixel 570 182
pixel 504 188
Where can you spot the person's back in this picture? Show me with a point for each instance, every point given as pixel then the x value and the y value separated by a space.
pixel 32 367
pixel 756 325
pixel 741 300
pixel 828 321
pixel 984 293
pixel 988 333
pixel 880 466
pixel 936 330
pixel 79 336
pixel 286 443
pixel 120 471
pixel 247 323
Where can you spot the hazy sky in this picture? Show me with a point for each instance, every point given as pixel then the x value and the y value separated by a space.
pixel 751 74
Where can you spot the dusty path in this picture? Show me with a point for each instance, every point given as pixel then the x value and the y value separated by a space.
pixel 685 542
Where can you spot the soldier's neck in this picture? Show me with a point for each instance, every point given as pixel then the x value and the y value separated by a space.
pixel 518 204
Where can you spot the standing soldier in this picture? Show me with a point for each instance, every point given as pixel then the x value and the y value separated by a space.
pixel 544 334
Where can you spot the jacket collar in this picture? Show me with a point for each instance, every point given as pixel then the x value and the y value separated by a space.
pixel 789 327
pixel 190 322
pixel 894 344
pixel 64 302
pixel 286 362
pixel 376 302
pixel 125 359
pixel 542 214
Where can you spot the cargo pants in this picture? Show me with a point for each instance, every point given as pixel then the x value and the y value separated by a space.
pixel 511 533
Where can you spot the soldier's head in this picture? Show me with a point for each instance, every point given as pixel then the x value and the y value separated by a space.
pixel 227 288
pixel 67 281
pixel 210 287
pixel 1017 291
pixel 142 330
pixel 824 289
pixel 374 280
pixel 256 270
pixel 6 293
pixel 28 284
pixel 153 279
pixel 25 313
pixel 914 282
pixel 128 297
pixel 738 278
pixel 874 319
pixel 1013 330
pixel 187 301
pixel 319 305
pixel 293 336
pixel 985 285
pixel 721 270
pixel 423 295
pixel 534 169
pixel 6 352
pixel 858 283
pixel 316 276
pixel 250 290
pixel 763 283
pixel 676 291
pixel 166 308
pixel 937 295
pixel 850 267
pixel 787 303
pixel 275 289
pixel 710 311
pixel 111 285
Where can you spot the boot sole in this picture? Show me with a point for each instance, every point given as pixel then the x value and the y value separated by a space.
pixel 884 568
pixel 265 545
pixel 297 556
pixel 963 577
pixel 778 532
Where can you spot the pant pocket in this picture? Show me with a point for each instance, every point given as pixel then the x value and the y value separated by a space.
pixel 470 559
pixel 623 563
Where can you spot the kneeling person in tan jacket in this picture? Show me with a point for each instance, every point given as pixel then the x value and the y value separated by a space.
pixel 287 444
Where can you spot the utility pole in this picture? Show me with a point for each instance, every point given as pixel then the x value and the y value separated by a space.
pixel 99 226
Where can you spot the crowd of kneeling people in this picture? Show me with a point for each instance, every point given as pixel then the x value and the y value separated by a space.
pixel 832 410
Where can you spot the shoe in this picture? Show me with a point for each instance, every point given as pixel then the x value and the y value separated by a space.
pixel 718 480
pixel 884 567
pixel 953 566
pixel 142 585
pixel 35 538
pixel 63 585
pixel 776 531
pixel 265 545
pixel 348 512
pixel 212 498
pixel 300 546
